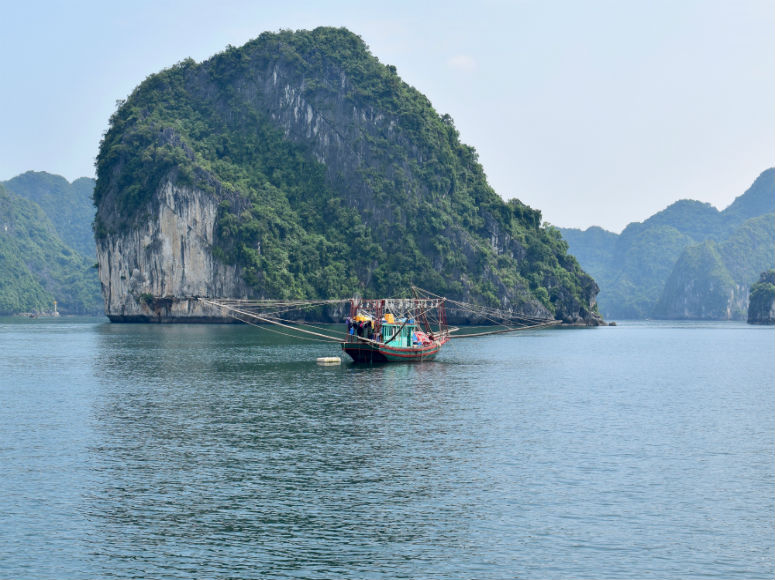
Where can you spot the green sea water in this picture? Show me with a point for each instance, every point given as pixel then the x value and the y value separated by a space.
pixel 638 451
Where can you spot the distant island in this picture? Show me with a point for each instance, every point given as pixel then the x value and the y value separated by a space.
pixel 299 166
pixel 689 261
pixel 761 307
pixel 47 250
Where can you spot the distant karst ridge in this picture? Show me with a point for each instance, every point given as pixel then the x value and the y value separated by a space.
pixel 689 261
pixel 47 246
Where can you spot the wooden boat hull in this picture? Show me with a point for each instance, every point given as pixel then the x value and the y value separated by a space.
pixel 369 352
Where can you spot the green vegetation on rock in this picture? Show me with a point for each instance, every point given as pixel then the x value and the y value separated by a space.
pixel 333 177
pixel 698 287
pixel 36 267
pixel 68 205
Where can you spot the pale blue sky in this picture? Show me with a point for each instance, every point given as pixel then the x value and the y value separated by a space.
pixel 595 112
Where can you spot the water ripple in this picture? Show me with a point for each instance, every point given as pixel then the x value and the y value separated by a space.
pixel 639 451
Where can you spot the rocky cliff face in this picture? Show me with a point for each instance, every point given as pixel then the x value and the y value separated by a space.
pixel 760 314
pixel 153 272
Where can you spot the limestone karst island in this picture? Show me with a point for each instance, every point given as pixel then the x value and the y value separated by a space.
pixel 299 167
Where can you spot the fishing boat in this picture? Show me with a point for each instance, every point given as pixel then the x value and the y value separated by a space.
pixel 375 334
pixel 385 330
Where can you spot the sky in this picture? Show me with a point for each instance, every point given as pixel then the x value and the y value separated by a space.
pixel 598 112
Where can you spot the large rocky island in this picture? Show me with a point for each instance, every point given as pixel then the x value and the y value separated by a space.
pixel 299 166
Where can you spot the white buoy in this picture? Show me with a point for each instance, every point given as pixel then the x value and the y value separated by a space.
pixel 329 360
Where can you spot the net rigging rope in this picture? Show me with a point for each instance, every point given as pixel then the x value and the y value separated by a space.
pixel 493 315
pixel 246 316
pixel 324 337
pixel 496 317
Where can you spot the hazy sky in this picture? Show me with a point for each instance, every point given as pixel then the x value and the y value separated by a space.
pixel 595 112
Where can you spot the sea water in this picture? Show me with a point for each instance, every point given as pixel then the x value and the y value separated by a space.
pixel 643 450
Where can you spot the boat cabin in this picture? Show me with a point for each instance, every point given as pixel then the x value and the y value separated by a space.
pixel 409 334
pixel 404 336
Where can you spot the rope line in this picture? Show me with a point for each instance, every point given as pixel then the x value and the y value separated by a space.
pixel 325 337
pixel 241 310
pixel 505 330
pixel 494 315
pixel 269 328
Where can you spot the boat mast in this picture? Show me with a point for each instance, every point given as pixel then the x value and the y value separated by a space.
pixel 441 315
pixel 379 312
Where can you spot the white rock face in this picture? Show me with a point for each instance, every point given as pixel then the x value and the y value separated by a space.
pixel 170 259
